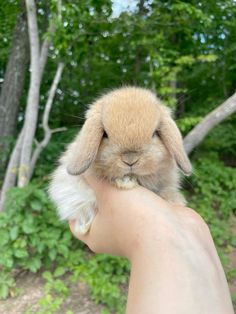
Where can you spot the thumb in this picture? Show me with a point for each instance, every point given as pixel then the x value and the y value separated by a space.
pixel 97 184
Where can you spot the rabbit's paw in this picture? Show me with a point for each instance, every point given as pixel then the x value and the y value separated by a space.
pixel 125 182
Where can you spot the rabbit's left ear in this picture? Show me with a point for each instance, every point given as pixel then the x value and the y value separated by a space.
pixel 83 150
pixel 172 139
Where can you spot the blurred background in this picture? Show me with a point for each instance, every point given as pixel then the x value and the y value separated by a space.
pixel 56 57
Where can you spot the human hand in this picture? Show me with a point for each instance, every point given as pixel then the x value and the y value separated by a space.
pixel 123 218
pixel 170 249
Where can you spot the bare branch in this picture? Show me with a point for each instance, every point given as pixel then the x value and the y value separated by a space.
pixel 51 94
pixel 59 130
pixel 200 131
pixel 47 131
pixel 44 51
pixel 33 32
pixel 43 56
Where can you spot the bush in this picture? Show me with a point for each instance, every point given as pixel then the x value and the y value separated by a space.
pixel 33 238
pixel 213 195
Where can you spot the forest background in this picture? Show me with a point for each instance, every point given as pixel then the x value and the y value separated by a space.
pixel 56 57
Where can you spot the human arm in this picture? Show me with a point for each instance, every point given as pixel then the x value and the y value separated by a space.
pixel 174 264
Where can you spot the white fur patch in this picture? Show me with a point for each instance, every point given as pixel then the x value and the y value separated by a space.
pixel 74 199
pixel 126 182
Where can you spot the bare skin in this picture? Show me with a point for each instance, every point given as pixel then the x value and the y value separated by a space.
pixel 175 268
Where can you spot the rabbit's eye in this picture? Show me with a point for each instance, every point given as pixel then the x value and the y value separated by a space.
pixel 156 133
pixel 105 134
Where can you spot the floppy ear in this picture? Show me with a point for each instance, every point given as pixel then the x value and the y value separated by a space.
pixel 83 150
pixel 172 139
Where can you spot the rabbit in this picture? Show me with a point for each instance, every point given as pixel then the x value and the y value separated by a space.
pixel 129 139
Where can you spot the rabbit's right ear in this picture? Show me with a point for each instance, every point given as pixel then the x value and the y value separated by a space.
pixel 172 139
pixel 83 150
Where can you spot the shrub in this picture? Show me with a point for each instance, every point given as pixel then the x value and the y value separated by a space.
pixel 31 236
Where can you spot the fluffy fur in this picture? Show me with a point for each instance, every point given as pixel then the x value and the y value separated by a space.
pixel 128 138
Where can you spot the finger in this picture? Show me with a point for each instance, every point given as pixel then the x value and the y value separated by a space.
pixel 98 184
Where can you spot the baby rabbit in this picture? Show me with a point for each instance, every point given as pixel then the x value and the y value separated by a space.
pixel 128 138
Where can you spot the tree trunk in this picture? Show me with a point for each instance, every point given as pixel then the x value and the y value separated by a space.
pixel 21 157
pixel 12 170
pixel 13 86
pixel 47 131
pixel 199 132
pixel 31 115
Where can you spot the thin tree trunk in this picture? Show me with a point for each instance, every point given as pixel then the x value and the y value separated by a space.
pixel 43 57
pixel 47 131
pixel 31 116
pixel 13 86
pixel 199 132
pixel 12 169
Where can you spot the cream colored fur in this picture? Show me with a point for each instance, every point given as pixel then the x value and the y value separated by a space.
pixel 128 138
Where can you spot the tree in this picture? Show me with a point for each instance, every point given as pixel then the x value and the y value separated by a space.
pixel 200 131
pixel 13 84
pixel 22 162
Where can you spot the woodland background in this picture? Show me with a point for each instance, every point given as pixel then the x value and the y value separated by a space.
pixel 58 56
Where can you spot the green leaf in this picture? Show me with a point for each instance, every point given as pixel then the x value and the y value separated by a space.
pixel 34 264
pixel 36 205
pixel 59 271
pixel 14 232
pixel 4 237
pixel 52 254
pixel 20 253
pixel 63 249
pixel 28 228
pixel 47 275
pixel 4 290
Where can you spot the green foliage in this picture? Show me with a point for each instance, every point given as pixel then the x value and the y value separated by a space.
pixel 104 274
pixel 32 237
pixel 30 231
pixel 6 283
pixel 56 290
pixel 216 184
pixel 212 189
pixel 8 13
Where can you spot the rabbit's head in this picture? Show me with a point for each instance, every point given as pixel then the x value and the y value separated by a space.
pixel 127 132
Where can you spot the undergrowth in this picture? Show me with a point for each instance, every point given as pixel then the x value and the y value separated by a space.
pixel 32 238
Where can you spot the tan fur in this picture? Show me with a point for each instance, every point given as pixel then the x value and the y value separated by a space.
pixel 130 116
pixel 143 146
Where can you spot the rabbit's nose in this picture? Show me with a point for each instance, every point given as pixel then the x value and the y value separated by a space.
pixel 130 159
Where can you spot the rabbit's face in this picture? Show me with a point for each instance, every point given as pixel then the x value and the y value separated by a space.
pixel 112 161
pixel 131 143
pixel 127 131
